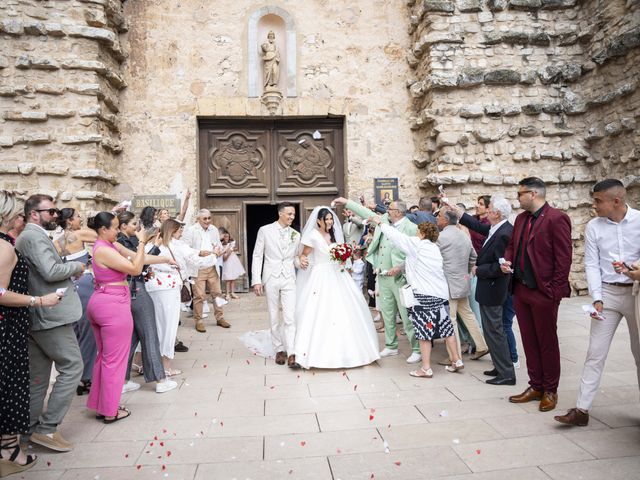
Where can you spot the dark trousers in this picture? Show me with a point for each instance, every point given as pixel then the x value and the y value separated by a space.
pixel 497 340
pixel 145 332
pixel 538 317
pixel 507 324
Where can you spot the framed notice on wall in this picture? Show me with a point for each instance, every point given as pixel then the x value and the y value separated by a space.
pixel 385 190
pixel 170 202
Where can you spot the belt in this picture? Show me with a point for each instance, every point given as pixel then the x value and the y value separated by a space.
pixel 619 284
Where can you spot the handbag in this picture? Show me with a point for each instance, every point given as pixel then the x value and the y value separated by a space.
pixel 185 292
pixel 407 298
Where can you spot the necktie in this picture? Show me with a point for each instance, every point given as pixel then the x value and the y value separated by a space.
pixel 525 241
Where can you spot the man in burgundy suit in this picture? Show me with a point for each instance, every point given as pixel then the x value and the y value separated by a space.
pixel 539 254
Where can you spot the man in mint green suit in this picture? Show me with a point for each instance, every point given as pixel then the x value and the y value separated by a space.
pixel 388 261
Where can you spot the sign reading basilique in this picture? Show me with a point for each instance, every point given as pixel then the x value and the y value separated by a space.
pixel 169 202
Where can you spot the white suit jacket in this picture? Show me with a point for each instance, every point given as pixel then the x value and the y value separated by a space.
pixel 278 256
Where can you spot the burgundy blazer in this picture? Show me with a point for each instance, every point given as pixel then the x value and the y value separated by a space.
pixel 549 249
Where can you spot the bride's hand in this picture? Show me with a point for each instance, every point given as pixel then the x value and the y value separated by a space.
pixel 304 262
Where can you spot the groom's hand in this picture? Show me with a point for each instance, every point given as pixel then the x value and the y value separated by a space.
pixel 304 262
pixel 257 289
pixel 392 272
pixel 340 201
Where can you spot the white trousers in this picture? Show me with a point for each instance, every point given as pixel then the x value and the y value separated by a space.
pixel 281 293
pixel 618 303
pixel 166 304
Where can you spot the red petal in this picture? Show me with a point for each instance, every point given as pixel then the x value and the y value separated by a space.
pixel 126 455
pixel 303 443
pixel 162 444
pixel 478 452
pixel 48 464
pixel 168 453
pixel 355 387
pixel 398 463
pixel 164 467
pixel 138 467
pixel 370 417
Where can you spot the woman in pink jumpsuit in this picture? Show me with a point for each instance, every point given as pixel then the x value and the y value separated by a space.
pixel 109 311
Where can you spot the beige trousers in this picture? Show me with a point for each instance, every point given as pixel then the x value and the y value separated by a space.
pixel 461 306
pixel 207 277
pixel 618 302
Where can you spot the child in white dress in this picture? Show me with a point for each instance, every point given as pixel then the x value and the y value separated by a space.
pixel 232 268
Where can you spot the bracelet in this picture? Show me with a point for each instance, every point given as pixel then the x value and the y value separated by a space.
pixel 40 298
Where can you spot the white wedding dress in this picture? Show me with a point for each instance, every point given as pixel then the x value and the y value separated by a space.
pixel 334 328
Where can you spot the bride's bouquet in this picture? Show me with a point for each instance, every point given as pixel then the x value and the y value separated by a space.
pixel 341 253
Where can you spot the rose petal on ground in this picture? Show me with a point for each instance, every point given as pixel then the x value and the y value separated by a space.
pixel 303 443
pixel 398 463
pixel 478 452
pixel 370 417
pixel 138 467
pixel 355 387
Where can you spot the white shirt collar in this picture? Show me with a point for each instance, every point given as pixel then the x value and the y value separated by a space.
pixel 631 213
pixel 397 224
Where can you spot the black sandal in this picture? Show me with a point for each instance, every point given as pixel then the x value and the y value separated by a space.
pixel 10 466
pixel 84 387
pixel 117 417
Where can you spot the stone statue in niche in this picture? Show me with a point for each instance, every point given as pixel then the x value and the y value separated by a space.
pixel 306 160
pixel 272 96
pixel 271 59
pixel 237 159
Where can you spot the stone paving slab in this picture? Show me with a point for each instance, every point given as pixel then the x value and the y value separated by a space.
pixel 239 416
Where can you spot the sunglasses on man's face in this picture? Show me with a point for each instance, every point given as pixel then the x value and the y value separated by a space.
pixel 51 211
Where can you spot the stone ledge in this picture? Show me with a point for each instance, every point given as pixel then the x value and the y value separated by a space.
pixel 33 138
pixel 25 62
pixel 81 139
pixel 28 116
pixel 618 46
pixel 94 174
pixel 101 35
pixel 99 67
pixel 57 170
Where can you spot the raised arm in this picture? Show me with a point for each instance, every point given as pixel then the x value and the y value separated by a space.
pixel 474 224
pixel 185 205
pixel 46 261
pixel 399 239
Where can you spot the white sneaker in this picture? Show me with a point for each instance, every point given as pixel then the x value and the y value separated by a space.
pixel 130 386
pixel 167 385
pixel 220 301
pixel 516 364
pixel 388 352
pixel 414 358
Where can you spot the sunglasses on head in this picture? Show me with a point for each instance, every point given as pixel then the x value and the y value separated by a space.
pixel 51 211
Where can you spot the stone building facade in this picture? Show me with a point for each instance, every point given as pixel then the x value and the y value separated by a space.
pixel 101 99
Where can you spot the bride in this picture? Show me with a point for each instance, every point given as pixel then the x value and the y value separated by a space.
pixel 334 326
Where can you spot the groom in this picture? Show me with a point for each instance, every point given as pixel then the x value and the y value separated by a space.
pixel 277 244
pixel 388 260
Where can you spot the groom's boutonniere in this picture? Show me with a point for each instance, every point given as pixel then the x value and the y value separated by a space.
pixel 294 234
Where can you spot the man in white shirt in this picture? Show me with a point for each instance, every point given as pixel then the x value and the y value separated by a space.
pixel 613 237
pixel 205 238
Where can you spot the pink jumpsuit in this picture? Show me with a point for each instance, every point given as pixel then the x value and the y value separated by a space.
pixel 109 311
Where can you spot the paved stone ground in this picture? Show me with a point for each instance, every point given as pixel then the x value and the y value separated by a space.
pixel 237 416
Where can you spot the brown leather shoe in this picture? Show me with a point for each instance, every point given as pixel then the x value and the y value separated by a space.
pixel 223 323
pixel 281 358
pixel 529 395
pixel 291 362
pixel 200 327
pixel 548 402
pixel 574 416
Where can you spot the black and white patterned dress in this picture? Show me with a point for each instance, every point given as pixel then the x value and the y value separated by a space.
pixel 14 356
pixel 430 318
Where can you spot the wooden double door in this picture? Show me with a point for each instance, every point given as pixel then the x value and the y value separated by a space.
pixel 248 166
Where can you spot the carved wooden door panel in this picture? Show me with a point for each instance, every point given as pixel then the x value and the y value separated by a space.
pixel 244 163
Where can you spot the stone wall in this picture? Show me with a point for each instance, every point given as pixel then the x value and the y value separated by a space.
pixel 502 89
pixel 59 98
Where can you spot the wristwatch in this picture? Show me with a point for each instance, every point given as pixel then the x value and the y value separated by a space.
pixel 32 301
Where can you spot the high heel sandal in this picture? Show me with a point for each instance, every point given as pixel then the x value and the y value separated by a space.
pixel 137 369
pixel 10 466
